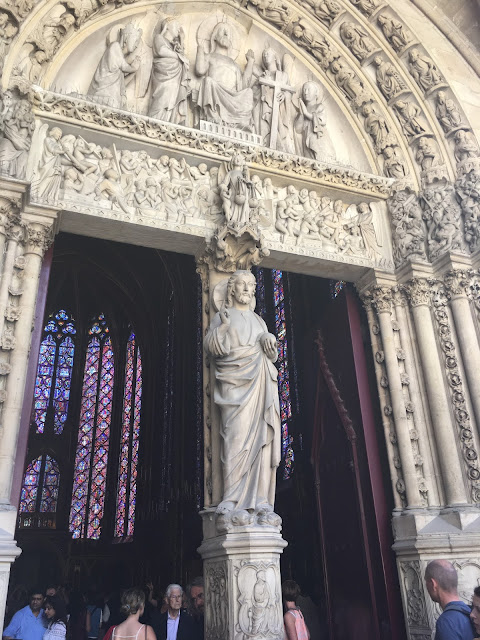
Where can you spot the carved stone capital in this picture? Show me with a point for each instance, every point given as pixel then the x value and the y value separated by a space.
pixel 419 292
pixel 382 299
pixel 399 297
pixel 458 282
pixel 233 248
pixel 38 238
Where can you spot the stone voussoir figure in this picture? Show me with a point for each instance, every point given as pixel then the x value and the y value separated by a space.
pixel 246 394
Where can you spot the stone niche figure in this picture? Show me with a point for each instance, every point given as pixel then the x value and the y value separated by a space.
pixel 16 128
pixel 170 77
pixel 423 70
pixel 225 95
pixel 246 395
pixel 237 191
pixel 394 32
pixel 357 40
pixel 447 112
pixel 388 78
pixel 311 121
pixel 115 69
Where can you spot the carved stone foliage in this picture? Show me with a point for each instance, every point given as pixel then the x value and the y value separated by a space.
pixel 414 594
pixel 8 31
pixel 454 378
pixel 82 111
pixel 468 192
pixel 408 227
pixel 419 291
pixel 16 128
pixel 260 600
pixel 233 248
pixel 216 612
pixel 458 282
pixel 443 218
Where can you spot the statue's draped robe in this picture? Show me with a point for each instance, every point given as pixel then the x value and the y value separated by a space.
pixel 108 84
pixel 222 95
pixel 169 85
pixel 246 394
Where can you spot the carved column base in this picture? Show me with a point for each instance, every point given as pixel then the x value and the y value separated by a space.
pixel 8 552
pixel 430 534
pixel 242 579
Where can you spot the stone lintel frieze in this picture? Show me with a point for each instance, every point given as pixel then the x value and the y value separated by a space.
pixel 61 108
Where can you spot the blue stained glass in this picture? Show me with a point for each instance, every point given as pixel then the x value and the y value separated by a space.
pixel 61 393
pixel 43 381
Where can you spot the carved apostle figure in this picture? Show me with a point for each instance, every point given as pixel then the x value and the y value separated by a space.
pixel 394 32
pixel 388 78
pixel 116 68
pixel 447 112
pixel 170 77
pixel 225 95
pixel 366 6
pixel 311 121
pixel 357 40
pixel 246 395
pixel 423 70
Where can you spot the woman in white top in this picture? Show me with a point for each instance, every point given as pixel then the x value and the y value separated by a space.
pixel 133 605
pixel 56 613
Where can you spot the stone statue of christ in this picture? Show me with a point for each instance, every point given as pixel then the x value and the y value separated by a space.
pixel 246 394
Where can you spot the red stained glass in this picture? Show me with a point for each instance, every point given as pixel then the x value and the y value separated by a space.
pixel 31 480
pixel 127 468
pixel 40 486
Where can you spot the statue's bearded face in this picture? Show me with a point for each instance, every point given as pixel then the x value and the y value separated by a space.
pixel 224 37
pixel 244 289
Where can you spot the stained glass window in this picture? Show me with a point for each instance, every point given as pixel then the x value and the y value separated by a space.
pixel 288 455
pixel 40 486
pixel 55 365
pixel 127 466
pixel 88 496
pixel 336 287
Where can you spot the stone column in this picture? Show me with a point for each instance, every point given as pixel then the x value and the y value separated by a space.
pixel 419 292
pixel 241 548
pixel 457 284
pixel 382 300
pixel 28 235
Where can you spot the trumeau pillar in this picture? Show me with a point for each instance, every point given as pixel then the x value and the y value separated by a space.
pixel 25 234
pixel 240 549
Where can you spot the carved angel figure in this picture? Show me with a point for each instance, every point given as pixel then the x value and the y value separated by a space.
pixel 273 101
pixel 311 122
pixel 116 68
pixel 394 32
pixel 170 74
pixel 325 10
pixel 366 6
pixel 423 70
pixel 273 11
pixel 357 40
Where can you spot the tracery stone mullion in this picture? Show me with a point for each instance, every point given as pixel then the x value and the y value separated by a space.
pixel 419 293
pixel 416 397
pixel 457 283
pixel 382 299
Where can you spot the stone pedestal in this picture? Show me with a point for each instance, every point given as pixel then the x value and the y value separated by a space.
pixel 8 551
pixel 242 577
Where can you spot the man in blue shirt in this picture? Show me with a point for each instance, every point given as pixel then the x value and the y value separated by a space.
pixel 442 582
pixel 29 623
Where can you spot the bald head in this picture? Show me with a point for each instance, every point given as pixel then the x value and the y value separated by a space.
pixel 444 574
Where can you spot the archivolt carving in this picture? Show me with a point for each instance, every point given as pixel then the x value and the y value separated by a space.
pixel 414 595
pixel 216 615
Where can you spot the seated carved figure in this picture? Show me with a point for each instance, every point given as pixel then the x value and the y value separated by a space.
pixel 225 95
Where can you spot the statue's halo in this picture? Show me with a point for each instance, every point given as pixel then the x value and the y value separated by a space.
pixel 206 28
pixel 219 296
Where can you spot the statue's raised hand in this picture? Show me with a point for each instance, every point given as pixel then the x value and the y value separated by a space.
pixel 224 316
pixel 250 55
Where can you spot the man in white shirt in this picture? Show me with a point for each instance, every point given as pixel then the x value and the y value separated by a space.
pixel 174 624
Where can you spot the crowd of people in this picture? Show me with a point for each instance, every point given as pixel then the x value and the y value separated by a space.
pixel 134 614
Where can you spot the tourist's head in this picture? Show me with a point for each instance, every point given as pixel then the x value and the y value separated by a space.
pixel 440 579
pixel 133 601
pixel 173 596
pixel 290 591
pixel 51 590
pixel 222 36
pixel 241 287
pixel 475 614
pixel 35 599
pixel 55 609
pixel 197 595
